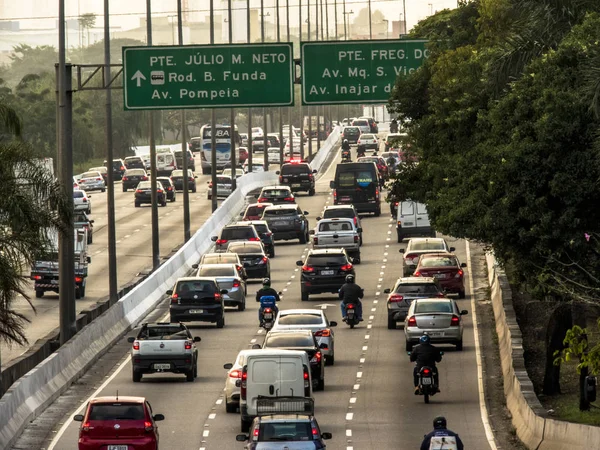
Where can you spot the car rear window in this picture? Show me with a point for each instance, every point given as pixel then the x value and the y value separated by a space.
pixel 339 212
pixel 418 288
pixel 240 233
pixel 89 174
pixel 438 261
pixel 428 245
pixel 285 431
pixel 255 210
pixel 99 169
pixel 367 136
pixel 165 181
pixel 327 260
pixel 77 194
pixel 280 212
pixel 294 340
pixel 343 225
pixel 203 286
pixel 220 259
pixel 216 272
pixel 351 130
pixel 177 173
pixel 275 193
pixel 300 319
pixel 360 123
pixel 248 248
pixel 133 159
pixel 163 332
pixel 261 227
pixel 295 169
pixel 144 185
pixel 407 208
pixel 433 306
pixel 135 172
pixel 117 411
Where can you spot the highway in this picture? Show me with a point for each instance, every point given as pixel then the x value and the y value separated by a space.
pixel 368 401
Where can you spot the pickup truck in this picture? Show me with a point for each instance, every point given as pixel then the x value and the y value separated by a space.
pixel 164 347
pixel 287 222
pixel 337 233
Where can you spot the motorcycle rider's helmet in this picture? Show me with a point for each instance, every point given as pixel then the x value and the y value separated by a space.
pixel 266 282
pixel 439 422
pixel 345 141
pixel 424 339
pixel 349 278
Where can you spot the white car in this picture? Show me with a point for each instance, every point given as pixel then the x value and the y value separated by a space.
pixel 256 168
pixel 273 155
pixel 368 141
pixel 257 132
pixel 223 187
pixel 244 138
pixel 314 320
pixel 362 124
pixel 82 201
pixel 234 380
pixel 229 172
pixel 420 246
pixel 92 181
pixel 297 145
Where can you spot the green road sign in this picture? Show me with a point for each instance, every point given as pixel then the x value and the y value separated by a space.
pixel 208 76
pixel 356 71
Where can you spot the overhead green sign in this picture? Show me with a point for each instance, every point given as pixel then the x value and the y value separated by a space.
pixel 356 71
pixel 208 76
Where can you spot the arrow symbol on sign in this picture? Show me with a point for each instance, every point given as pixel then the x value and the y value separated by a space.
pixel 138 76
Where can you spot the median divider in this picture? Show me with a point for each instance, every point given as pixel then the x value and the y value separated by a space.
pixel 532 424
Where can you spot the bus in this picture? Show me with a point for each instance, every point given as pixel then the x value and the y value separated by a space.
pixel 222 146
pixel 357 184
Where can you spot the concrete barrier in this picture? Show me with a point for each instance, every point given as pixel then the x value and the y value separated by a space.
pixel 529 418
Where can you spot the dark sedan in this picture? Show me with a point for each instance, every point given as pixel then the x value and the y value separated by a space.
pixel 132 177
pixel 169 188
pixel 253 257
pixel 143 194
pixel 266 236
pixel 197 299
pixel 177 179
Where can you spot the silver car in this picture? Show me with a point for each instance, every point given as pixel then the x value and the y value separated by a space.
pixel 227 277
pixel 405 291
pixel 223 187
pixel 223 258
pixel 92 181
pixel 234 380
pixel 314 320
pixel 82 201
pixel 419 246
pixel 439 318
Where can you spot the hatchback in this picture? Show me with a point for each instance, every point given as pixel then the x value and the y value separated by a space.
pixel 143 193
pixel 419 246
pixel 82 202
pixel 132 177
pixel 228 277
pixel 276 194
pixel 445 268
pixel 92 181
pixel 169 188
pixel 439 318
pixel 368 142
pixel 239 231
pixel 253 257
pixel 254 211
pixel 223 258
pixel 406 290
pixel 118 168
pixel 362 124
pixel 352 134
pixel 118 423
pixel 197 299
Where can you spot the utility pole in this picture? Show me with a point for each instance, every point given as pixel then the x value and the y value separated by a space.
pixel 308 112
pixel 301 109
pixel 281 143
pixel 264 110
pixel 336 18
pixel 370 22
pixel 327 19
pixel 290 109
pixel 250 149
pixel 232 134
pixel 184 149
pixel 213 125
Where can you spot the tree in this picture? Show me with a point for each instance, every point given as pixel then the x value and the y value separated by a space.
pixel 86 21
pixel 27 60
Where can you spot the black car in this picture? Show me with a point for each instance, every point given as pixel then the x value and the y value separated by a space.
pixel 81 220
pixel 135 162
pixel 299 176
pixel 118 168
pixel 191 161
pixel 324 271
pixel 177 179
pixel 197 299
pixel 253 257
pixel 169 188
pixel 258 144
pixel 266 236
pixel 287 222
pixel 303 340
pixel 132 177
pixel 143 194
pixel 351 133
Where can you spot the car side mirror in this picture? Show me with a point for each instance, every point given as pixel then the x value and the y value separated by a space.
pixel 213 238
pixel 197 338
pixel 241 437
pixel 92 221
pixel 333 323
pixel 351 259
pixel 442 353
pixel 78 417
pixel 227 366
pixel 89 259
pixel 463 265
pixel 169 292
pixel 464 312
pixel 89 196
pixel 387 291
pixel 452 249
pixel 194 266
pixel 277 173
pixel 311 232
pixel 401 250
pixel 280 293
pixel 319 218
pixel 315 170
pixel 408 353
pixel 326 436
pixel 224 291
pixel 256 347
pixel 195 176
pixel 332 184
pixel 305 213
pixel 323 345
pixel 299 263
pixel 158 417
pixel 131 339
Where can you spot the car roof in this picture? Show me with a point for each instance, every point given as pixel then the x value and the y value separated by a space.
pixel 118 398
pixel 259 204
pixel 277 186
pixel 230 265
pixel 325 251
pixel 285 417
pixel 246 243
pixel 239 224
pixel 258 222
pixel 339 207
pixel 423 239
pixel 277 332
pixel 220 254
pixel 195 279
pixel 337 219
pixel 301 311
pixel 433 299
pixel 289 206
pixel 416 280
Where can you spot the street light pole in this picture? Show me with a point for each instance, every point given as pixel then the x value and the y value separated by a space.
pixel 336 18
pixel 290 109
pixel 213 125
pixel 345 27
pixel 264 110
pixel 281 144
pixel 232 134
pixel 301 117
pixel 370 22
pixel 309 111
pixel 250 149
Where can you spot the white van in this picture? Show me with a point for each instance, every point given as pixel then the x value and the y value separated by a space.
pixel 413 221
pixel 272 373
pixel 165 163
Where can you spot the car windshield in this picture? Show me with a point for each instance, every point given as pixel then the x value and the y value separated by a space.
pixel 280 212
pixel 201 286
pixel 439 261
pixel 135 172
pixel 427 245
pixel 339 212
pixel 285 431
pixel 300 319
pixel 295 169
pixel 433 307
pixel 248 248
pixel 275 193
pixel 291 340
pixel 223 271
pixel 419 288
pixel 326 260
pixel 335 226
pixel 220 258
pixel 117 411
pixel 90 175
pixel 165 181
pixel 240 233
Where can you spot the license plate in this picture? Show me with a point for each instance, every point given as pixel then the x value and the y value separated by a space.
pixel 344 199
pixel 118 447
pixel 268 316
pixel 196 311
pixel 439 275
pixel 436 333
pixel 408 223
pixel 425 380
pixel 161 367
pixel 327 272
pixel 279 224
pixel 296 185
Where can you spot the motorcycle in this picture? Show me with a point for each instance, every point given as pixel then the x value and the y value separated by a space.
pixel 268 309
pixel 346 157
pixel 360 153
pixel 268 318
pixel 427 387
pixel 351 315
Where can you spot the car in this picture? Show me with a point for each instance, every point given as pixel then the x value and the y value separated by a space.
pixel 224 187
pixel 324 271
pixel 256 168
pixel 92 181
pixel 257 132
pixel 254 211
pixel 352 134
pixel 357 184
pixel 75 184
pixel 394 140
pixel 134 162
pixel 298 175
pixel 228 172
pixel 223 258
pixel 287 222
pixel 228 277
pixel 413 220
pixel 384 171
pixel 303 340
pixel 253 257
pixel 81 220
pixel 147 162
pixel 446 268
pixel 362 124
pixel 118 168
pixel 337 233
pixel 343 211
pixel 104 416
pixel 103 171
pixel 372 124
pixel 368 141
pixel 273 155
pixel 266 236
pixel 439 318
pixel 132 177
pixel 143 193
pixel 405 290
pixel 197 299
pixel 244 138
pixel 177 179
pixel 314 320
pixel 82 201
pixel 418 246
pixel 168 187
pixel 299 431
pixel 191 161
pixel 238 231
pixel 165 162
pixel 233 381
pixel 276 194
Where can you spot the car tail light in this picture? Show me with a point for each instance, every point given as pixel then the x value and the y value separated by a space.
pixel 412 321
pixel 254 239
pixel 238 267
pixel 306 382
pixel 263 260
pixel 99 179
pixel 262 200
pixel 122 168
pixel 358 142
pixel 148 426
pixel 174 298
pixel 315 432
pixel 315 240
pixel 356 238
pixel 191 179
pixel 36 277
pixel 235 284
pixel 355 221
pixel 308 269
pixel 377 193
pixel 255 433
pixel 317 358
pixel 310 176
pixel 221 241
pixel 138 191
pixel 144 178
pixel 413 258
pixel 169 189
pixel 323 333
pixel 269 234
pixel 210 184
pixel 459 274
pixel 288 199
pixel 280 179
pixel 136 345
pixel 350 306
pixel 188 345
pixel 218 297
pixel 235 374
pixel 160 191
pixel 455 321
pixel 78 279
pixel 244 383
pixel 84 200
pixel 417 274
pixel 346 267
pixel 441 295
pixel 85 427
pixel 395 298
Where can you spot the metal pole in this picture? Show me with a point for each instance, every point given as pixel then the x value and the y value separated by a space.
pixel 345 27
pixel 404 10
pixel 250 149
pixel 213 125
pixel 233 135
pixel 336 18
pixel 262 22
pixel 327 19
pixel 110 194
pixel 301 118
pixel 290 109
pixel 308 109
pixel 316 20
pixel 264 110
pixel 322 21
pixel 281 143
pixel 370 22
pixel 184 150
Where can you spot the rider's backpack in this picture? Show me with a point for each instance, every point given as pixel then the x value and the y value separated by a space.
pixel 443 443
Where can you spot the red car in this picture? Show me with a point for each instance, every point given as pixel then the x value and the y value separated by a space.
pixel 445 268
pixel 254 211
pixel 120 423
pixel 242 155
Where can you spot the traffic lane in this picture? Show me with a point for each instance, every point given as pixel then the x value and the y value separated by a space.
pixel 401 419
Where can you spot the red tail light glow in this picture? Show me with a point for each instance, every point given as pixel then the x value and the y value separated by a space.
pixel 426 371
pixel 308 269
pixel 78 279
pixel 323 333
pixel 254 239
pixel 99 179
pixel 84 200
pixel 188 345
pixel 36 277
pixel 235 374
pixel 346 267
pixel 218 297
pixel 122 168
pixel 263 260
pixel 417 274
pixel 138 191
pixel 136 345
pixel 412 321
pixel 306 382
pixel 174 298
pixel 317 358
pixel 148 426
pixel 459 274
pixel 396 298
pixel 85 427
pixel 288 199
pixel 255 433
pixel 236 284
pixel 262 200
pixel 221 241
pixel 355 221
pixel 144 178
pixel 455 321
pixel 356 238
pixel 350 306
pixel 244 383
pixel 315 240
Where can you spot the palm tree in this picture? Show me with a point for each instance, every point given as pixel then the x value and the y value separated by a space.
pixel 32 200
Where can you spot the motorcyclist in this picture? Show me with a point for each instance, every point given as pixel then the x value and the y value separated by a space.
pixel 351 292
pixel 425 354
pixel 440 430
pixel 265 296
pixel 394 126
pixel 345 145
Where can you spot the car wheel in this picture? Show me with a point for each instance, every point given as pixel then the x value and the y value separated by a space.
pixel 242 306
pixel 409 346
pixel 82 291
pixel 39 293
pixel 173 199
pixel 137 205
pixel 245 425
pixel 400 239
pixel 136 376
pixel 391 323
pixel 330 360
pixel 230 407
pixel 103 190
pixel 304 296
pixel 124 189
pixel 302 238
pixel 272 253
pixel 320 385
pixel 459 345
pixel 164 203
pixel 221 322
pixel 461 294
pixel 194 189
pixel 89 211
pixel 77 292
pixel 189 375
pixel 311 192
pixel 377 212
pixel 89 241
pixel 356 258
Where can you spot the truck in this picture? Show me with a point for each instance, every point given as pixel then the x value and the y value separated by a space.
pixel 164 347
pixel 45 271
pixel 337 233
pixel 377 112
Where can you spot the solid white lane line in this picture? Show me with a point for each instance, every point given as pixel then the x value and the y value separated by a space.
pixel 482 407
